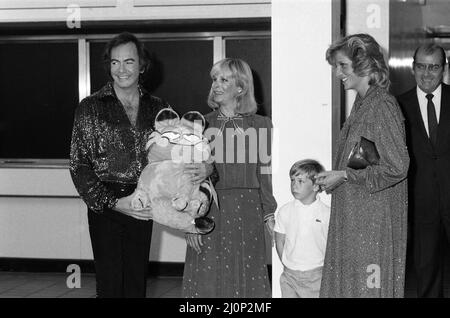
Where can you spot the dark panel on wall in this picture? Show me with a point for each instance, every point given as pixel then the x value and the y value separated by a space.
pixel 182 73
pixel 257 53
pixel 39 92
pixel 179 74
pixel 137 26
pixel 97 69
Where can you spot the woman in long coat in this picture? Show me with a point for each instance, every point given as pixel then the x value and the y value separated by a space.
pixel 366 249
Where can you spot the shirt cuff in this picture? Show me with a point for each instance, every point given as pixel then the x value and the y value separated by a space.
pixel 269 217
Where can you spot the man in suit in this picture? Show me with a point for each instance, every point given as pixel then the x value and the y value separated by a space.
pixel 427 111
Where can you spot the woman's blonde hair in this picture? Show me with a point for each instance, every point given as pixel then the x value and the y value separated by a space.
pixel 242 74
pixel 366 56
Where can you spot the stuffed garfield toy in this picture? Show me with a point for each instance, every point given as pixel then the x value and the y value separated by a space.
pixel 163 186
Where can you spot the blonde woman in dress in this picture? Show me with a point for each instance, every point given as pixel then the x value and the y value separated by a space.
pixel 231 261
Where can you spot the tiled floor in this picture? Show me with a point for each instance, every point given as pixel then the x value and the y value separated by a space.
pixel 53 285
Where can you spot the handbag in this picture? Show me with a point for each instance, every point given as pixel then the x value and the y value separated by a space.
pixel 363 154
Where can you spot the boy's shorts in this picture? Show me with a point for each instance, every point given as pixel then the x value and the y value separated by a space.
pixel 300 284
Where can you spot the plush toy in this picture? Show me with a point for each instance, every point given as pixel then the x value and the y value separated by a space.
pixel 163 186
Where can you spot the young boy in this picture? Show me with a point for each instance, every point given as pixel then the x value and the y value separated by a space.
pixel 301 229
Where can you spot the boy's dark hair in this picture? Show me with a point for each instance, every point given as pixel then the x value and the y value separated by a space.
pixel 309 166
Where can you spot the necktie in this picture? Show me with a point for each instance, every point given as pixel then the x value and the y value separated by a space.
pixel 432 119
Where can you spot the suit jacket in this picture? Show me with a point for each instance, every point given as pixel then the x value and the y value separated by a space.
pixel 429 172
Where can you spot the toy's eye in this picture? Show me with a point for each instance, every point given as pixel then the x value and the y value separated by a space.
pixel 171 135
pixel 192 139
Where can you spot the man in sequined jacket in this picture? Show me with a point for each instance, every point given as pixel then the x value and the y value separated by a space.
pixel 111 129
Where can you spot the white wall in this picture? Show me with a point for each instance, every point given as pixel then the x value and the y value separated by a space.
pixel 98 10
pixel 43 228
pixel 301 97
pixel 41 216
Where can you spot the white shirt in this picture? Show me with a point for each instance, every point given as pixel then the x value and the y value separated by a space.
pixel 423 102
pixel 306 230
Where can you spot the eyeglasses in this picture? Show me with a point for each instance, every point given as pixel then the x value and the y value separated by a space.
pixel 431 67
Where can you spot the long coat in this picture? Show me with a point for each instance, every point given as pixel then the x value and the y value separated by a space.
pixel 366 248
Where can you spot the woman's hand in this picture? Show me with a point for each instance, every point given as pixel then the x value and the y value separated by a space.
pixel 198 171
pixel 123 205
pixel 270 224
pixel 330 180
pixel 194 241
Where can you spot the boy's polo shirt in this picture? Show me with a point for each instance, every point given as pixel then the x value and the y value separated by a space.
pixel 306 229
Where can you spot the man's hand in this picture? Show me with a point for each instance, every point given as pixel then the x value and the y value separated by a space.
pixel 198 171
pixel 124 206
pixel 194 241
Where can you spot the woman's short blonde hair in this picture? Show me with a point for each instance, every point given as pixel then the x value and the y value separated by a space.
pixel 366 56
pixel 242 74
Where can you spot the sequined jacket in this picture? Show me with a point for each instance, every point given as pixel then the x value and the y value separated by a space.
pixel 106 147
